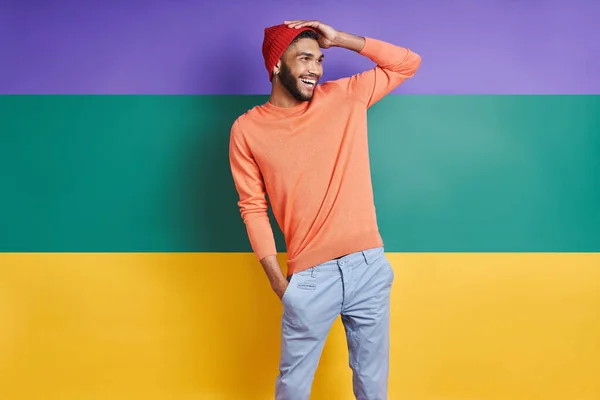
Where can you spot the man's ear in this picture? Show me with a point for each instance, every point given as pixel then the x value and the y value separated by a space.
pixel 277 68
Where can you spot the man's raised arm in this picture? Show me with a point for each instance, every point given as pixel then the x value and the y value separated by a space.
pixel 395 64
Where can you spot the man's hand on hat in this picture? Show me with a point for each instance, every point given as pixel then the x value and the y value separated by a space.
pixel 327 35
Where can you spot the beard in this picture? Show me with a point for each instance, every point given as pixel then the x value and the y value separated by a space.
pixel 292 84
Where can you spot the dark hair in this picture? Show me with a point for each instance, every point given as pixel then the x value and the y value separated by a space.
pixel 305 35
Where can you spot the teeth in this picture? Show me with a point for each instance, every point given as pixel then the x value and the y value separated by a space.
pixel 308 81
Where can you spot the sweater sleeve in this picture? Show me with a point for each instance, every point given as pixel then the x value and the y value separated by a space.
pixel 394 65
pixel 251 191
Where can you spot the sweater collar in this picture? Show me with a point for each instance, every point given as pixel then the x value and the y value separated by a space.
pixel 272 109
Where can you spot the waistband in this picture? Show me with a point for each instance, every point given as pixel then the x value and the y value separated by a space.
pixel 367 255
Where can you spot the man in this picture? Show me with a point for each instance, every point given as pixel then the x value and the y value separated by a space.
pixel 306 149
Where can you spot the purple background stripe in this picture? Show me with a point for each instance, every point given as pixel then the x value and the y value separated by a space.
pixel 207 47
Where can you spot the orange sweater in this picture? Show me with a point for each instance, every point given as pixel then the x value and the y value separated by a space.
pixel 312 162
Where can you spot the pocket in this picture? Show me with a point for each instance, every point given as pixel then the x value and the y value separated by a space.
pixel 373 255
pixel 287 289
pixel 306 279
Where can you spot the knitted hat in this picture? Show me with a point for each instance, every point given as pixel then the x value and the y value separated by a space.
pixel 277 40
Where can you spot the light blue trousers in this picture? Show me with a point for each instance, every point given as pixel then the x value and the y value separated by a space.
pixel 357 287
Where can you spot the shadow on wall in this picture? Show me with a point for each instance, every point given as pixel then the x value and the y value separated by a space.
pixel 210 210
pixel 212 223
pixel 210 215
pixel 208 188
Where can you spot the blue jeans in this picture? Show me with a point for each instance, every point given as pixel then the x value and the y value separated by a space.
pixel 357 287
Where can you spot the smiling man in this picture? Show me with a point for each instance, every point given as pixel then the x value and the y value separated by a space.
pixel 300 70
pixel 306 149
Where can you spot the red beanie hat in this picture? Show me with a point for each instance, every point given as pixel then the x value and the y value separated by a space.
pixel 277 40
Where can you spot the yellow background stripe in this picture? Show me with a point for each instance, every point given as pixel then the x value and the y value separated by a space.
pixel 112 326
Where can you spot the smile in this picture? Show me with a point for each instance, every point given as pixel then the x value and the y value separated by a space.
pixel 309 82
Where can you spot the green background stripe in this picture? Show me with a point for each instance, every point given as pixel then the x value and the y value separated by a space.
pixel 150 173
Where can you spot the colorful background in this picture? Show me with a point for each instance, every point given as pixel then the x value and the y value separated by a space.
pixel 126 272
